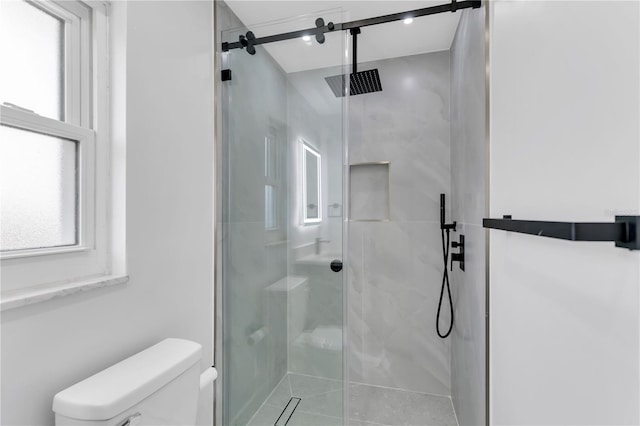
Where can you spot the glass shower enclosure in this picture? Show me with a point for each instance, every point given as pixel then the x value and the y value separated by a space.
pixel 280 228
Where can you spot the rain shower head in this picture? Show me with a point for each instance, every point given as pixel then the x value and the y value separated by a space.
pixel 359 83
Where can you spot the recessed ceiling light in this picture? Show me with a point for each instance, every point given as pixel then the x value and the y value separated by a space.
pixel 408 21
pixel 306 38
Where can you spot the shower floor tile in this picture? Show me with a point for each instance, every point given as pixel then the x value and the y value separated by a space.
pixel 321 405
pixel 378 405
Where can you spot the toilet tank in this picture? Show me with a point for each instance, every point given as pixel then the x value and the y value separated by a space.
pixel 158 386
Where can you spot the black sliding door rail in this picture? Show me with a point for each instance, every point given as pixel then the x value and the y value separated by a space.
pixel 624 231
pixel 318 31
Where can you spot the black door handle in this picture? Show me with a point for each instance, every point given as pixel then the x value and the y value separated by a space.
pixel 336 265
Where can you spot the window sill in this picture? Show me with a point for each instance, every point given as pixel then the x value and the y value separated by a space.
pixel 24 297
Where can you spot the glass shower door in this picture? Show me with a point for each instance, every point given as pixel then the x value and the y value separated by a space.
pixel 282 153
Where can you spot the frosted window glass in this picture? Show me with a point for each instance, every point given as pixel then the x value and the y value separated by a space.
pixel 270 214
pixel 38 190
pixel 32 57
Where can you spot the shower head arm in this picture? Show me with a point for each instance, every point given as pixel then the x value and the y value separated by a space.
pixel 354 50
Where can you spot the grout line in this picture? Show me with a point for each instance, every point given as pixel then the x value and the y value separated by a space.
pixel 367 422
pixel 291 373
pixel 348 416
pixel 399 390
pixel 315 377
pixel 300 410
pixel 455 415
pixel 433 222
pixel 323 393
pixel 363 285
pixel 288 376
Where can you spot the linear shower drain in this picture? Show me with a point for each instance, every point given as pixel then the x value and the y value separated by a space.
pixel 288 411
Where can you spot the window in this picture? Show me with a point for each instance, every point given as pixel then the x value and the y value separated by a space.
pixel 272 180
pixel 271 207
pixel 273 186
pixel 53 142
pixel 33 43
pixel 39 192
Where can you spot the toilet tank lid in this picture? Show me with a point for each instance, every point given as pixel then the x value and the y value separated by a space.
pixel 123 385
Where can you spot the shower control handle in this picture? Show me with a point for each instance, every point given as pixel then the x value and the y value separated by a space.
pixel 336 265
pixel 458 257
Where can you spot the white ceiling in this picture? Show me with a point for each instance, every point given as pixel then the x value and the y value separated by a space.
pixel 426 34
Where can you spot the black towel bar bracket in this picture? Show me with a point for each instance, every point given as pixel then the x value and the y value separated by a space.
pixel 624 231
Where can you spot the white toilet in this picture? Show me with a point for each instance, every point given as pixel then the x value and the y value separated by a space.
pixel 158 386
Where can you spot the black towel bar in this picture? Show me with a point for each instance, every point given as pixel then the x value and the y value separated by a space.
pixel 624 231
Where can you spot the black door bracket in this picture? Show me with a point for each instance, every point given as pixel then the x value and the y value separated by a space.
pixel 624 231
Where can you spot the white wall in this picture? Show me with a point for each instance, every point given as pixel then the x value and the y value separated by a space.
pixel 565 145
pixel 169 134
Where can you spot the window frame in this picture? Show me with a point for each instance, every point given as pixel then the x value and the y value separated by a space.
pixel 78 20
pixel 86 121
pixel 85 175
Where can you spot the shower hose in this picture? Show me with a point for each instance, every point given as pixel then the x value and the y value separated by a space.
pixel 445 283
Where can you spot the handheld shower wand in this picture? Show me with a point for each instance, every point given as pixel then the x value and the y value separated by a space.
pixel 443 224
pixel 445 228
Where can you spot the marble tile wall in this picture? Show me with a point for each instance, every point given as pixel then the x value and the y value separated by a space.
pixel 468 186
pixel 395 266
pixel 255 318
